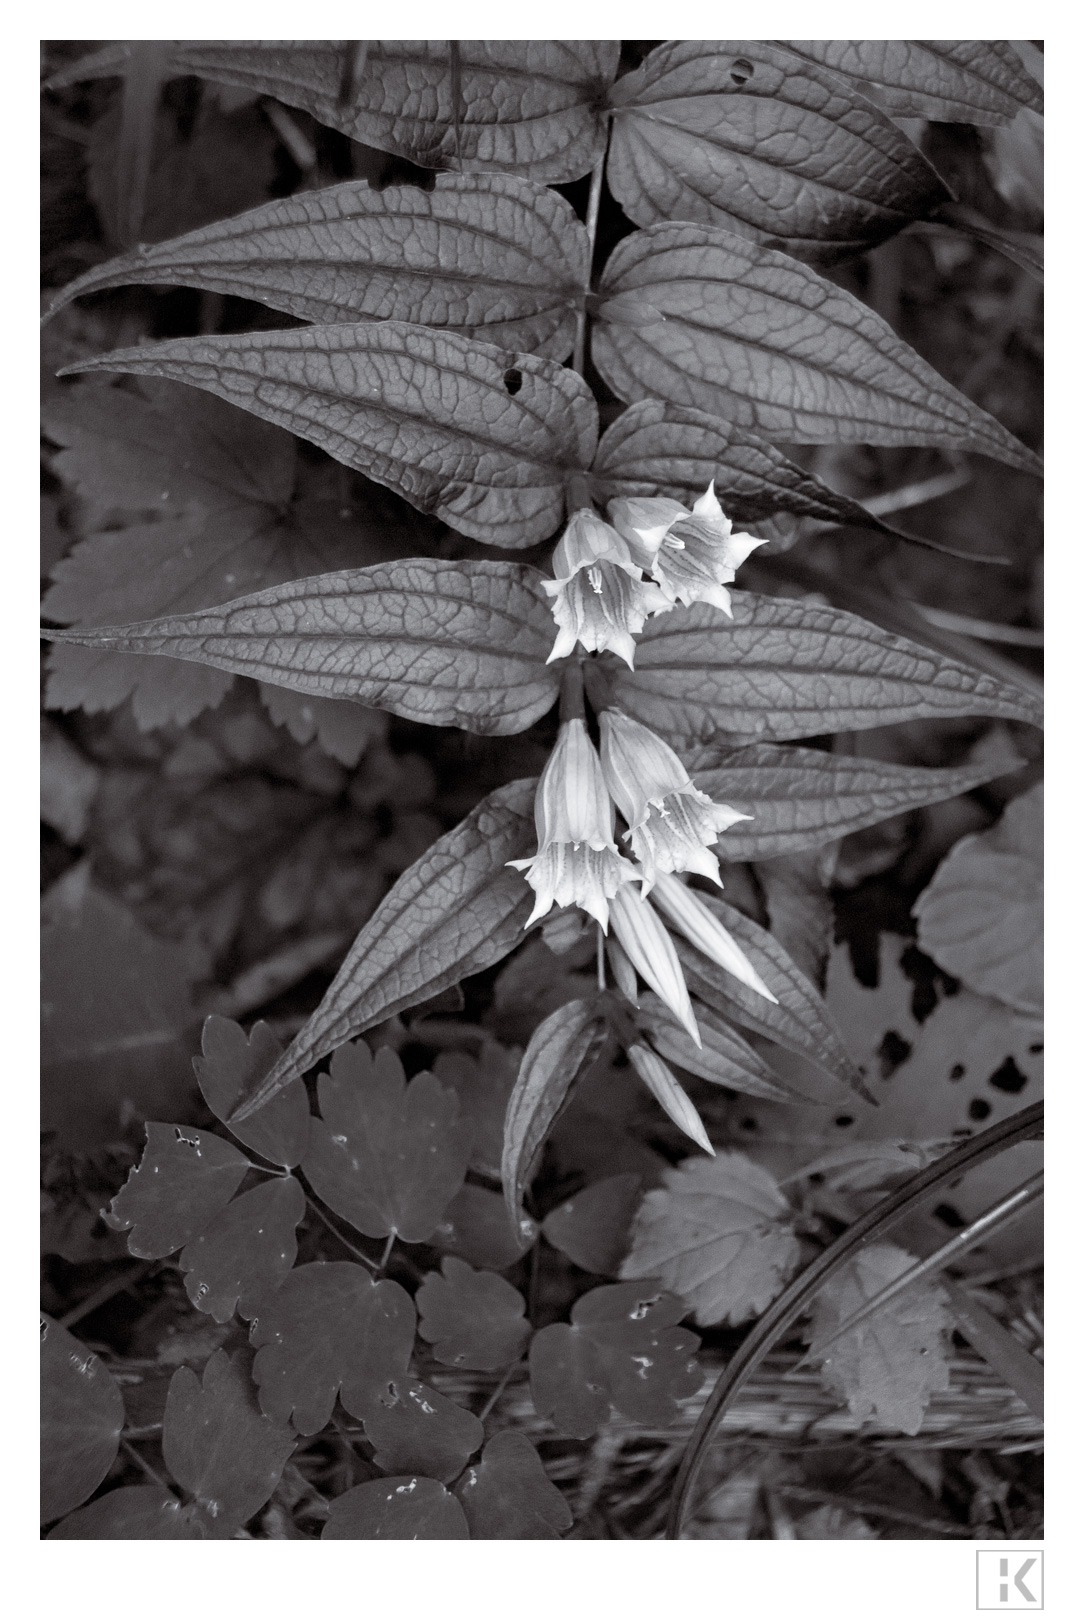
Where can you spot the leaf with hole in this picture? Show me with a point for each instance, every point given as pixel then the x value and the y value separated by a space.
pixel 426 413
pixel 783 668
pixel 413 1429
pixel 593 1226
pixel 219 1446
pixel 622 1348
pixel 981 917
pixel 889 1366
pixel 507 1495
pixel 329 1330
pixel 493 257
pixel 719 1234
pixel 698 316
pixel 556 1053
pixel 386 1156
pixel 955 81
pixel 462 644
pixel 82 1414
pixel 455 912
pixel 184 1179
pixel 232 1063
pixel 404 1507
pixel 132 1513
pixel 760 140
pixel 246 1251
pixel 471 1318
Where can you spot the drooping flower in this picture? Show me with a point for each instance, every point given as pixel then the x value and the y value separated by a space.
pixel 671 822
pixel 651 951
pixel 692 918
pixel 601 598
pixel 692 555
pixel 577 863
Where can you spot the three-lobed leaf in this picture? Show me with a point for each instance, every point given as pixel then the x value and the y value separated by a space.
pixel 403 1507
pixel 507 1496
pixel 230 1063
pixel 963 81
pixel 698 316
pixel 387 1156
pixel 758 139
pixel 593 1226
pixel 474 434
pixel 413 1429
pixel 471 1318
pixel 246 1251
pixel 492 257
pixel 184 1179
pixel 82 1414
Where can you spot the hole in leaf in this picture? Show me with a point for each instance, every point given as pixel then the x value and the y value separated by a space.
pixel 1008 1078
pixel 1036 1046
pixel 957 1071
pixel 948 1215
pixel 978 1108
pixel 843 1120
pixel 892 1051
pixel 748 1124
pixel 513 379
pixel 741 70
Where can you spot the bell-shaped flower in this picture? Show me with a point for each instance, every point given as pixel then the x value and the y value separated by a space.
pixel 651 951
pixel 577 863
pixel 601 598
pixel 671 822
pixel 692 555
pixel 693 919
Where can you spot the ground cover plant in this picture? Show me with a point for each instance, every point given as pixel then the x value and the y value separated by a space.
pixel 542 790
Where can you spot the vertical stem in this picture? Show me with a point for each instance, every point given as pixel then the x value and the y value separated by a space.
pixel 600 957
pixel 572 705
pixel 594 197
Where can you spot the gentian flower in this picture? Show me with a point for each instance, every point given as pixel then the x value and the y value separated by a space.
pixel 601 598
pixel 577 863
pixel 692 555
pixel 671 822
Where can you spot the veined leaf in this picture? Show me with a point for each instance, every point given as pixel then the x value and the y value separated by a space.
pixel 456 911
pixel 448 643
pixel 555 1054
pixel 184 1179
pixel 82 1414
pixel 699 316
pixel 471 1318
pixel 534 106
pixel 783 668
pixel 725 1058
pixel 243 1255
pixel 411 1427
pixel 800 798
pixel 493 257
pixel 480 437
pixel 760 140
pixel 405 1507
pixel 959 81
pixel 655 448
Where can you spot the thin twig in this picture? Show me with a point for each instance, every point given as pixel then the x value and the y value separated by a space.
pixel 389 1245
pixel 499 1391
pixel 318 1212
pixel 594 197
pixel 115 1285
pixel 156 1479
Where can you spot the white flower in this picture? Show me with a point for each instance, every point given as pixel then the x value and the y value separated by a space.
pixel 670 821
pixel 693 555
pixel 577 863
pixel 600 596
pixel 651 951
pixel 701 929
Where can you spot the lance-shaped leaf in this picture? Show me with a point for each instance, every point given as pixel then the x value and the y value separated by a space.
pixel 405 1507
pixel 758 139
pixel 507 1495
pixel 783 668
pixel 82 1414
pixel 800 798
pixel 387 1156
pixel 448 643
pixel 412 1427
pixel 659 449
pixel 534 106
pixel 698 316
pixel 183 1180
pixel 555 1054
pixel 799 1020
pixel 454 912
pixel 489 256
pixel 957 81
pixel 474 434
pixel 724 1058
pixel 246 1252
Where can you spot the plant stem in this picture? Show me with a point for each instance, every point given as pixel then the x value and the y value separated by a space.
pixel 572 707
pixel 156 1479
pixel 499 1391
pixel 115 1285
pixel 387 1251
pixel 600 957
pixel 594 197
pixel 358 1255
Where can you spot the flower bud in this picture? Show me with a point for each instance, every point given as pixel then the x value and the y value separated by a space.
pixel 704 931
pixel 651 952
pixel 669 1094
pixel 601 599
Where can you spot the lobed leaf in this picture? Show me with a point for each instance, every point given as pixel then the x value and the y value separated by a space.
pixel 471 1318
pixel 132 1513
pixel 246 1252
pixel 492 257
pixel 555 1055
pixel 413 1429
pixel 956 81
pixel 454 912
pixel 698 316
pixel 477 1228
pixel 719 1234
pixel 757 138
pixel 219 1446
pixel 231 1062
pixel 656 448
pixel 429 414
pixel 800 798
pixel 622 1349
pixel 593 1226
pixel 329 1330
pixel 783 668
pixel 483 1085
pixel 386 1156
pixel 405 1507
pixel 507 1495
pixel 82 1414
pixel 184 1179
pixel 533 106
pixel 446 643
